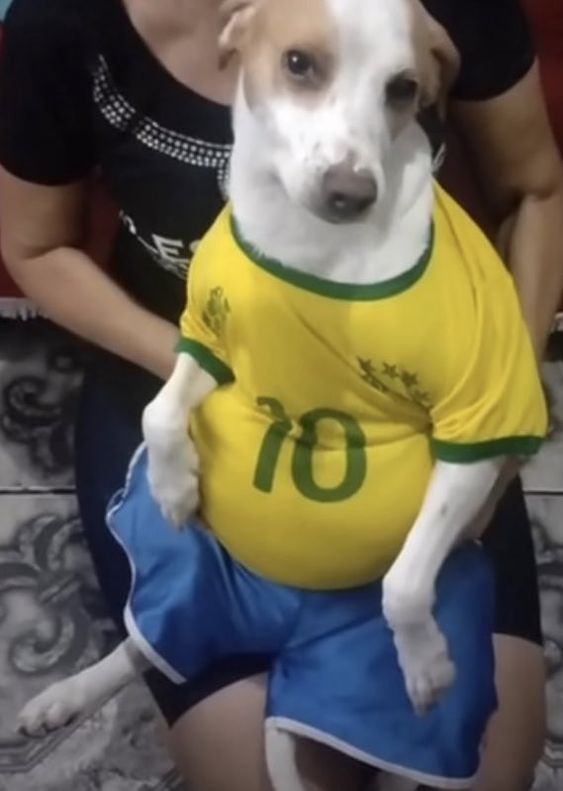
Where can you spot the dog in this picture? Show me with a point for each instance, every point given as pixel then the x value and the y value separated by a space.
pixel 358 383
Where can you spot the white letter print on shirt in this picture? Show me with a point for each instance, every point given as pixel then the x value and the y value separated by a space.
pixel 170 254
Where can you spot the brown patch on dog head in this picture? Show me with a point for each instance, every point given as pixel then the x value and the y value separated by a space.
pixel 437 58
pixel 283 45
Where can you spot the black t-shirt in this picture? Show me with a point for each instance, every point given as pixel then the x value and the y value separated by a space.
pixel 80 89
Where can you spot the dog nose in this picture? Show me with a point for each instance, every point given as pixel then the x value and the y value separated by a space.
pixel 347 192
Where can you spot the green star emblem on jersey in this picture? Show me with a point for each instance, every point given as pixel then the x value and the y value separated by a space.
pixel 409 379
pixel 216 310
pixel 375 377
pixel 421 398
pixel 369 374
pixel 391 371
pixel 414 391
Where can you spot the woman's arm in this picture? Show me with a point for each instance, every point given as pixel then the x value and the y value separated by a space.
pixel 522 180
pixel 42 230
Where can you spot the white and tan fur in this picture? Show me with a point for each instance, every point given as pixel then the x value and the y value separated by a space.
pixel 309 149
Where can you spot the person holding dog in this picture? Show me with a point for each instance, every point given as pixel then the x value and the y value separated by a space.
pixel 136 91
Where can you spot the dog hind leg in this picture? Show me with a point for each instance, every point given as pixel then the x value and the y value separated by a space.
pixel 83 693
pixel 281 760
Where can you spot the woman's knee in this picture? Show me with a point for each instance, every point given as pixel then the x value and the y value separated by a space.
pixel 219 745
pixel 516 733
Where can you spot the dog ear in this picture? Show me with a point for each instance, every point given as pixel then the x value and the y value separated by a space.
pixel 439 59
pixel 235 18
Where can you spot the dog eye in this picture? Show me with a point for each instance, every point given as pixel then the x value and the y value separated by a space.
pixel 300 64
pixel 401 90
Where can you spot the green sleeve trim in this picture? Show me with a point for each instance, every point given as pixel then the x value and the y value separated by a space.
pixel 213 365
pixel 479 451
pixel 328 288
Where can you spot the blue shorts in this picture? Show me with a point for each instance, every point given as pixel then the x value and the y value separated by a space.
pixel 334 676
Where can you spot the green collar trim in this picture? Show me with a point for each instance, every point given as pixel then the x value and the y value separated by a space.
pixel 328 288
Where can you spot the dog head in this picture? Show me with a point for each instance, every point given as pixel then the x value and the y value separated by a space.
pixel 332 84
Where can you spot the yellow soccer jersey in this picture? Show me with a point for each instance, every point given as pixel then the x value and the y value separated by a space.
pixel 336 399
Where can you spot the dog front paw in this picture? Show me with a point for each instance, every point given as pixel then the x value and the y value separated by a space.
pixel 174 481
pixel 425 661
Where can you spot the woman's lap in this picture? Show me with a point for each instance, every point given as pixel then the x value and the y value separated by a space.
pixel 108 430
